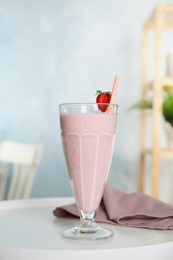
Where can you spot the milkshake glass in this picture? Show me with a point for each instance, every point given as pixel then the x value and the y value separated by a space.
pixel 88 137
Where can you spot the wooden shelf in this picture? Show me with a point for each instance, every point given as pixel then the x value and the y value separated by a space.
pixel 166 84
pixel 166 153
pixel 162 152
pixel 167 18
pixel 160 20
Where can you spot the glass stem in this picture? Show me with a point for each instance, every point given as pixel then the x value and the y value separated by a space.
pixel 87 223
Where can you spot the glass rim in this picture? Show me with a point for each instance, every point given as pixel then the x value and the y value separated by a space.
pixel 88 104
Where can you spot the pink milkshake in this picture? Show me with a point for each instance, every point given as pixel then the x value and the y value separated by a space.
pixel 88 143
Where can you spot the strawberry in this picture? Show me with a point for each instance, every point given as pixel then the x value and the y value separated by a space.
pixel 103 97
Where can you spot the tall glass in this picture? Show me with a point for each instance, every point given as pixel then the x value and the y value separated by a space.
pixel 88 137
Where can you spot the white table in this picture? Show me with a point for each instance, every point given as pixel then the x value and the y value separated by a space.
pixel 29 231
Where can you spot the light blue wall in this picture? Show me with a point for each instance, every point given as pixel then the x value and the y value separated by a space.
pixel 63 51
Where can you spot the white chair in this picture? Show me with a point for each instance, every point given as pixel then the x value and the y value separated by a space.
pixel 18 164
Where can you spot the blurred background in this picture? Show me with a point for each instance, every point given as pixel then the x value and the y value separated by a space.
pixel 56 51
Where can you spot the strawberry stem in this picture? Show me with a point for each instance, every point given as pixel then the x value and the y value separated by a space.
pixel 99 92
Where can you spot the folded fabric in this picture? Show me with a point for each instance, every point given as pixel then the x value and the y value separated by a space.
pixel 132 210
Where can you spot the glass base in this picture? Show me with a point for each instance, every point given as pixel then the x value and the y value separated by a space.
pixel 96 233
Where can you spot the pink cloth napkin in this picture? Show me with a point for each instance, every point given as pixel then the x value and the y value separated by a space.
pixel 132 210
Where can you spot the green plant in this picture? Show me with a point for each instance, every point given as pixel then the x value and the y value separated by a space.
pixel 167 107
